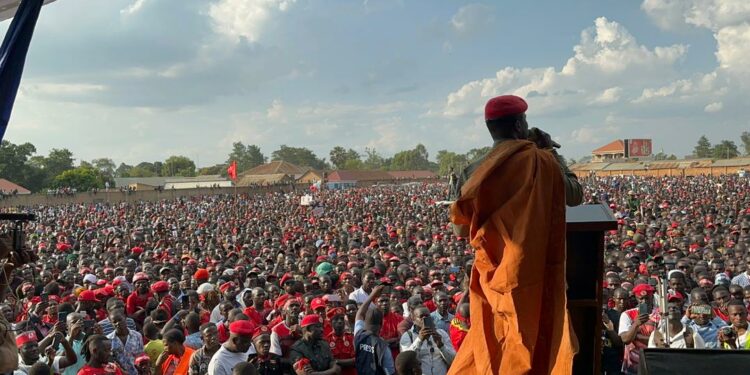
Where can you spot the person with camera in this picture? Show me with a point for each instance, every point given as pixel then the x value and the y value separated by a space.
pixel 736 335
pixel 680 336
pixel 636 326
pixel 432 344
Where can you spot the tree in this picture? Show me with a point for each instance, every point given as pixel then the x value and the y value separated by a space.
pixel 662 156
pixel 141 172
pixel 373 160
pixel 104 165
pixel 703 148
pixel 178 166
pixel 247 157
pixel 415 159
pixel 123 170
pixel 340 157
pixel 58 161
pixel 725 150
pixel 81 178
pixel 300 156
pixel 475 153
pixel 448 160
pixel 220 169
pixel 745 137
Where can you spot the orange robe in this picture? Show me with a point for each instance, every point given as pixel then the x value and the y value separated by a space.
pixel 514 206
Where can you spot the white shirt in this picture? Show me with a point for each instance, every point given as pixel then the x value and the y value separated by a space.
pixel 434 360
pixel 223 362
pixel 678 341
pixel 359 295
pixel 23 369
pixel 216 316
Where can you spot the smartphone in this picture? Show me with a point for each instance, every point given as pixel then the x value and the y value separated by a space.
pixel 428 322
pixel 56 342
pixel 62 317
pixel 185 301
pixel 643 309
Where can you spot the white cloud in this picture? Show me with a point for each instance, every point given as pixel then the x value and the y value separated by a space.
pixel 133 8
pixel 710 14
pixel 62 89
pixel 714 107
pixel 733 51
pixel 607 64
pixel 276 111
pixel 245 19
pixel 471 18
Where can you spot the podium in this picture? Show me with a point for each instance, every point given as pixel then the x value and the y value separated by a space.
pixel 584 271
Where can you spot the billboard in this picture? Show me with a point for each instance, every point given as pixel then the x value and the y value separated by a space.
pixel 637 148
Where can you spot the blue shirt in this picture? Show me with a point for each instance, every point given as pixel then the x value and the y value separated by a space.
pixel 194 341
pixel 125 354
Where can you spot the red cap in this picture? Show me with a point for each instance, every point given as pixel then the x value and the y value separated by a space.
pixel 335 311
pixel 160 287
pixel 309 320
pixel 87 296
pixel 676 296
pixel 321 258
pixel 224 287
pixel 287 276
pixel 140 276
pixel 242 328
pixel 24 338
pixel 643 289
pixel 137 250
pixel 201 274
pixel 261 330
pixel 317 303
pixel 502 106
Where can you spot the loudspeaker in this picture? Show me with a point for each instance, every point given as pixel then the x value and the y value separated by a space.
pixel 693 361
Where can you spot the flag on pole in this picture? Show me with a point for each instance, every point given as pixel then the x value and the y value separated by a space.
pixel 232 170
pixel 13 56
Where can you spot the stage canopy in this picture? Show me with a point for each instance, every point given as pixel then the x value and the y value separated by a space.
pixel 8 8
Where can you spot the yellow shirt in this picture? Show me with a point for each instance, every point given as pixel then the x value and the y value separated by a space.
pixel 153 349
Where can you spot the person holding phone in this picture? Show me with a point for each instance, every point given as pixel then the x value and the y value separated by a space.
pixel 432 345
pixel 636 326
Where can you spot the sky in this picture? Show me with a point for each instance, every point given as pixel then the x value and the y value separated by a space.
pixel 141 80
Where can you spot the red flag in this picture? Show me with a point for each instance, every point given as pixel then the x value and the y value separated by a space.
pixel 232 170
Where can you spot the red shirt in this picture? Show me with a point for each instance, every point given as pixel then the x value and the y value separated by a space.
pixel 458 331
pixel 135 301
pixel 342 347
pixel 430 304
pixel 109 369
pixel 389 329
pixel 254 315
pixel 223 332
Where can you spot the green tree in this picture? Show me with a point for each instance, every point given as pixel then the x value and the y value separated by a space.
pixel 246 156
pixel 16 165
pixel 725 150
pixel 140 172
pixel 178 166
pixel 448 160
pixel 745 137
pixel 414 159
pixel 703 148
pixel 373 160
pixel 340 157
pixel 81 178
pixel 105 165
pixel 123 170
pixel 220 169
pixel 475 153
pixel 300 156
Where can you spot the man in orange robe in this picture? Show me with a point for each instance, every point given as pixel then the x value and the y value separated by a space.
pixel 512 207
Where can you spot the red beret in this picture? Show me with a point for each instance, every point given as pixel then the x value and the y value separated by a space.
pixel 309 320
pixel 224 287
pixel 87 296
pixel 261 330
pixel 676 296
pixel 643 289
pixel 160 287
pixel 140 276
pixel 242 328
pixel 502 106
pixel 345 275
pixel 24 338
pixel 201 274
pixel 287 276
pixel 321 258
pixel 317 303
pixel 137 250
pixel 335 311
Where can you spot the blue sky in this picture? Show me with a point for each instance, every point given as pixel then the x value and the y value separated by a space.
pixel 139 80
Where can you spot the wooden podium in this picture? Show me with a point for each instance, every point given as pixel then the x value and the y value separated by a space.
pixel 584 270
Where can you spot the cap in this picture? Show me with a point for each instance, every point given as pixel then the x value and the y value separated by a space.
pixel 205 288
pixel 317 303
pixel 224 287
pixel 260 331
pixel 676 296
pixel 201 274
pixel 643 289
pixel 335 311
pixel 140 276
pixel 137 250
pixel 242 328
pixel 287 276
pixel 90 278
pixel 25 338
pixel 87 296
pixel 160 287
pixel 309 320
pixel 504 105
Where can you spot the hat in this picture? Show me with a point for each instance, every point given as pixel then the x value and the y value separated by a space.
pixel 324 268
pixel 224 287
pixel 201 274
pixel 676 296
pixel 260 331
pixel 87 296
pixel 205 288
pixel 504 105
pixel 291 301
pixel 90 278
pixel 140 276
pixel 309 320
pixel 160 287
pixel 643 289
pixel 335 311
pixel 137 250
pixel 345 275
pixel 317 303
pixel 287 276
pixel 25 338
pixel 242 328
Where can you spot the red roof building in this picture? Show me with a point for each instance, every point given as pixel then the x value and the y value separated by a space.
pixel 611 151
pixel 7 187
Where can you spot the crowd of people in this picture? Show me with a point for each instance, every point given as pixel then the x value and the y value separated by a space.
pixel 373 282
